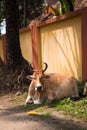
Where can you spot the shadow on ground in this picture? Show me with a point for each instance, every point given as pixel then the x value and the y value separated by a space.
pixel 19 114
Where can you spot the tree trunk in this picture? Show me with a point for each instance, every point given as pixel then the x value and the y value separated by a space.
pixel 24 14
pixel 14 60
pixel 69 5
pixel 13 52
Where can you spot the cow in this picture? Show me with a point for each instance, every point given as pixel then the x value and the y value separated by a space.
pixel 50 87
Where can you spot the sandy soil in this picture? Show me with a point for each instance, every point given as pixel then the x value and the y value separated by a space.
pixel 14 117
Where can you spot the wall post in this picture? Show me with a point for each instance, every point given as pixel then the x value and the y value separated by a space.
pixel 34 45
pixel 84 43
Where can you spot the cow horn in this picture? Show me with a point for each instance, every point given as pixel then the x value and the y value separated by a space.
pixel 32 67
pixel 46 66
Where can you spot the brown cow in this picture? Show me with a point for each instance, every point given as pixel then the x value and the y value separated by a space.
pixel 49 87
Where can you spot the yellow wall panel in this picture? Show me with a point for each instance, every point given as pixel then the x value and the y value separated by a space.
pixel 61 47
pixel 26 46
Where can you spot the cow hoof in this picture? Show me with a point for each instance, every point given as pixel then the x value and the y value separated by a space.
pixel 48 101
pixel 74 98
pixel 29 100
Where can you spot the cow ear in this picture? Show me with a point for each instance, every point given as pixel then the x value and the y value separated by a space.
pixel 39 88
pixel 31 77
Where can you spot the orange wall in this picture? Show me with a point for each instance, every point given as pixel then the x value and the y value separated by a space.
pixel 1 50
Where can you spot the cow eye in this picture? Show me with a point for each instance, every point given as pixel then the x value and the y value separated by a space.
pixel 31 77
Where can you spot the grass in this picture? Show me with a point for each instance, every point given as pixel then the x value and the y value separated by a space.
pixel 68 107
pixel 74 108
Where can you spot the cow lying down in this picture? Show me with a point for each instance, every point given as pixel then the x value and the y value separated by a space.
pixel 49 87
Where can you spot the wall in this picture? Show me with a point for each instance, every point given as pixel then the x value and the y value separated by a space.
pixel 1 49
pixel 26 44
pixel 60 41
pixel 61 47
pixel 63 44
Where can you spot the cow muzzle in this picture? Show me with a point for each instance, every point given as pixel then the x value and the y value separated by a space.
pixel 37 101
pixel 29 100
pixel 39 88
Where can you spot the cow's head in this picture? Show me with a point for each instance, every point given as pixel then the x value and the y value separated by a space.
pixel 36 88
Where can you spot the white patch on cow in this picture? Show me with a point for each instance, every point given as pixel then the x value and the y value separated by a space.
pixel 28 100
pixel 35 88
pixel 86 84
pixel 38 84
pixel 36 101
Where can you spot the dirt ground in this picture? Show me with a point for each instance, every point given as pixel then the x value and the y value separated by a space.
pixel 14 117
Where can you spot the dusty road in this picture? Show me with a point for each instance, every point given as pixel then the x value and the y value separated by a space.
pixel 14 117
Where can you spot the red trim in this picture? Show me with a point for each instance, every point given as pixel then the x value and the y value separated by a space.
pixel 62 17
pixel 84 44
pixel 4 47
pixel 34 46
pixel 24 29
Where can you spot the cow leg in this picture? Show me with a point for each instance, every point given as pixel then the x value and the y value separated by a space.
pixel 76 92
pixel 75 95
pixel 29 100
pixel 49 99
